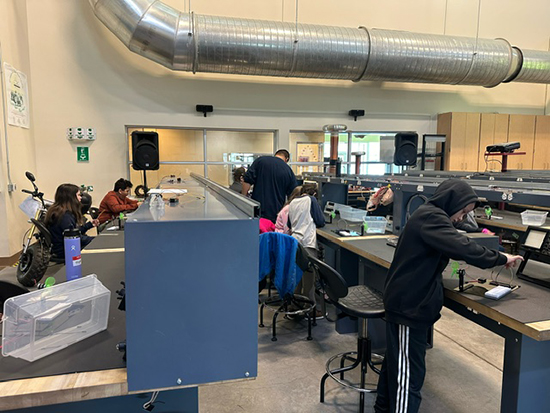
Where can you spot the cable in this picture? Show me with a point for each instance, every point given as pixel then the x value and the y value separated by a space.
pixel 149 405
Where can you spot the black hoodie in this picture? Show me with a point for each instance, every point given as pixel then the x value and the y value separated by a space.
pixel 414 289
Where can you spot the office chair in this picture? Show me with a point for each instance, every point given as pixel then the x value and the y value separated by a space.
pixel 357 301
pixel 284 301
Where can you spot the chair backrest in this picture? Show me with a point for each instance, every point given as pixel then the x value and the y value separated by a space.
pixel 333 283
pixel 302 258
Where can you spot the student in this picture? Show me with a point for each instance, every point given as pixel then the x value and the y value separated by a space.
pixel 117 201
pixel 273 181
pixel 238 179
pixel 64 214
pixel 281 225
pixel 305 216
pixel 413 295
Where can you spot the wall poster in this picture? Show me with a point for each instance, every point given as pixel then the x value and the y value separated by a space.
pixel 17 97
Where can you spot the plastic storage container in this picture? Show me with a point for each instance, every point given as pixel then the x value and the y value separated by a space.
pixel 534 218
pixel 375 225
pixel 352 214
pixel 42 322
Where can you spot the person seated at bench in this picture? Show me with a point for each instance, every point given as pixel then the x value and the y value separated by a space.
pixel 66 213
pixel 117 201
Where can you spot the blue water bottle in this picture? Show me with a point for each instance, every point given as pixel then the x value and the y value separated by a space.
pixel 73 260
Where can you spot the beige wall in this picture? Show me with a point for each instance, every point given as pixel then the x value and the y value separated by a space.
pixel 20 142
pixel 81 75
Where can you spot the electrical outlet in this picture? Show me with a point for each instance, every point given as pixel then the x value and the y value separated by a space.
pixel 12 187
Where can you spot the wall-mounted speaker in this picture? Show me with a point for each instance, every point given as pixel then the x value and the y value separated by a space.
pixel 405 148
pixel 145 151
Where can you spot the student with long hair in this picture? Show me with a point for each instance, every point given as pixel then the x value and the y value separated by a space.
pixel 64 214
pixel 281 225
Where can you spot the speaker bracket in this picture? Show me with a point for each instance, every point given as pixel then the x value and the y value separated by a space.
pixel 204 109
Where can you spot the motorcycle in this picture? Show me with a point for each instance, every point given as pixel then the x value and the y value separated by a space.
pixel 34 259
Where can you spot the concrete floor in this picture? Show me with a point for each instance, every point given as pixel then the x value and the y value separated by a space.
pixel 464 372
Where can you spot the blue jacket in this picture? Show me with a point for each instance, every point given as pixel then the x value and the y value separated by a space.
pixel 278 255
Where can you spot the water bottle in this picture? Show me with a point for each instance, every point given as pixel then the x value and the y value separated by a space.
pixel 73 260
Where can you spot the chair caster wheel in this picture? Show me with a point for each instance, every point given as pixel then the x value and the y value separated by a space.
pixel 261 325
pixel 309 338
pixel 273 338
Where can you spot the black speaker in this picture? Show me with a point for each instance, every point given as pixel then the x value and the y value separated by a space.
pixel 405 148
pixel 145 151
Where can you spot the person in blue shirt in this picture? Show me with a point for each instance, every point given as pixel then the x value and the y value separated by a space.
pixel 66 213
pixel 273 181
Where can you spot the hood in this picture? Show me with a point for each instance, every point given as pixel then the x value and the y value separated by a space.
pixel 452 195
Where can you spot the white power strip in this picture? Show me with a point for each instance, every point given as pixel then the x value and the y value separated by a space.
pixel 498 292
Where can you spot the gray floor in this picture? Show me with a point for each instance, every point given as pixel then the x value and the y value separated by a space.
pixel 464 372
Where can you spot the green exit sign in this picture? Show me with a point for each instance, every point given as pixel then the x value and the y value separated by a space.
pixel 82 153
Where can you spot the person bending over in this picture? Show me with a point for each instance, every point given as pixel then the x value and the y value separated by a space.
pixel 66 213
pixel 413 295
pixel 117 201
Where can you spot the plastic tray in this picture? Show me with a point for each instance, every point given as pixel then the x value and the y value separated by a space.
pixel 533 218
pixel 375 225
pixel 352 214
pixel 42 322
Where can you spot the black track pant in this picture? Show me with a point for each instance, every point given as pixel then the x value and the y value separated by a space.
pixel 403 370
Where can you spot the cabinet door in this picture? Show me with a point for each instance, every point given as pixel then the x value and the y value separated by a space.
pixel 522 129
pixel 444 122
pixel 541 158
pixel 493 129
pixel 462 145
pixel 471 142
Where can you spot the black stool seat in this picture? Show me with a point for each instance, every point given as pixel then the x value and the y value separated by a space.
pixel 362 302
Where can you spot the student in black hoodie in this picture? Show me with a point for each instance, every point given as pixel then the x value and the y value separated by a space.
pixel 413 295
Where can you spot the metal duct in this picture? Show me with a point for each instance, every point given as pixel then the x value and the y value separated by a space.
pixel 198 43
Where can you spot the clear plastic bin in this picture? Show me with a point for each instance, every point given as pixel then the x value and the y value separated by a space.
pixel 42 322
pixel 533 218
pixel 352 214
pixel 375 225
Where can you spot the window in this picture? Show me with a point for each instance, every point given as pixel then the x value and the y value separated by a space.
pixel 207 152
pixel 306 148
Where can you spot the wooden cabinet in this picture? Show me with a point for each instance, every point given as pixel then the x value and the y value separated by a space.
pixel 468 134
pixel 462 145
pixel 493 129
pixel 541 156
pixel 522 129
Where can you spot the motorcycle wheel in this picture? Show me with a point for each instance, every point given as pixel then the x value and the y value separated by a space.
pixel 33 264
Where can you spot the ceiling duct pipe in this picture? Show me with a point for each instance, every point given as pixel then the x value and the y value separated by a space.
pixel 334 137
pixel 213 44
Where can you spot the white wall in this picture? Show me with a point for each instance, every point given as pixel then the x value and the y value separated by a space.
pixel 81 75
pixel 20 143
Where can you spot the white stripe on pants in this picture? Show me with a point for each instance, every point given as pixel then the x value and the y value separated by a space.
pixel 403 372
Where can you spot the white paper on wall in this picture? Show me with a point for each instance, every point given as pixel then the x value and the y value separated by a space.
pixel 17 97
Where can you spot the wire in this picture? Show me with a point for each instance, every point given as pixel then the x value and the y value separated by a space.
pixel 149 405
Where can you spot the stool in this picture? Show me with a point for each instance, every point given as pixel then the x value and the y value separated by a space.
pixel 293 305
pixel 358 301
